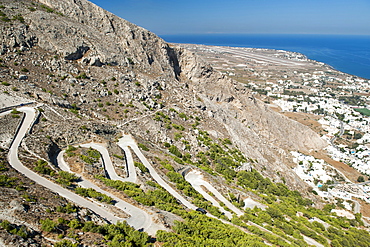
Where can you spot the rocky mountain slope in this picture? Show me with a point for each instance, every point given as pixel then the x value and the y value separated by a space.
pixel 74 32
pixel 95 75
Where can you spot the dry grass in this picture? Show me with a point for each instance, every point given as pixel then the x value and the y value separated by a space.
pixel 307 119
pixel 348 171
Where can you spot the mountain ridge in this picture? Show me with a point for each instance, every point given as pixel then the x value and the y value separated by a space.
pixel 226 101
pixel 95 75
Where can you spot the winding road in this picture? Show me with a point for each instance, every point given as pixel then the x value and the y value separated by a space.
pixel 127 141
pixel 108 165
pixel 131 172
pixel 195 178
pixel 139 219
pixel 16 164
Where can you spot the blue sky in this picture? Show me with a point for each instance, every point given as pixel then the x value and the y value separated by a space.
pixel 245 16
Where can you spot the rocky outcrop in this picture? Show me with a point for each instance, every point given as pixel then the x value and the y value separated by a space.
pixel 258 131
pixel 77 30
pixel 84 27
pixel 234 106
pixel 79 36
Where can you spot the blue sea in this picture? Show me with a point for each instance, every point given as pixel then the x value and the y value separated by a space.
pixel 347 53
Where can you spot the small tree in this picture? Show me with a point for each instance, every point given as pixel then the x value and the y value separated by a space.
pixel 141 166
pixel 360 179
pixel 74 224
pixel 48 225
pixel 65 243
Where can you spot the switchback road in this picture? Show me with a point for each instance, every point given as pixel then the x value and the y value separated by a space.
pixel 128 141
pixel 16 164
pixel 139 219
pixel 196 180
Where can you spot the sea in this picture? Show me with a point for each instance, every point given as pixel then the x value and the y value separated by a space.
pixel 346 53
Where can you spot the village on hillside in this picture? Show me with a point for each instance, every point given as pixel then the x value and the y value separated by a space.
pixel 339 103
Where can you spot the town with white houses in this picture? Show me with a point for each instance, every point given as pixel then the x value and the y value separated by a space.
pixel 339 103
pixel 344 115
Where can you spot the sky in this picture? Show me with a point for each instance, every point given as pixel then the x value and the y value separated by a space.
pixel 165 17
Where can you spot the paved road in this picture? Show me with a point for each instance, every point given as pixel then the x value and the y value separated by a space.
pixel 16 164
pixel 138 217
pixel 311 242
pixel 128 141
pixel 5 112
pixel 195 178
pixel 341 132
pixel 109 165
pixel 250 203
pixel 357 208
pixel 130 167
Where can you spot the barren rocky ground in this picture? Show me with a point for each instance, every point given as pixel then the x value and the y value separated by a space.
pixel 183 113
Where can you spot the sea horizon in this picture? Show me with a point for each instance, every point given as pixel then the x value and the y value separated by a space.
pixel 347 53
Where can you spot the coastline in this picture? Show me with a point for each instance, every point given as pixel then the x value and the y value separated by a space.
pixel 348 54
pixel 262 57
pixel 298 54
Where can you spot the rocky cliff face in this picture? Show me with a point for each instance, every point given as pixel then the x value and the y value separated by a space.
pixel 80 30
pixel 83 38
pixel 260 132
pixel 233 97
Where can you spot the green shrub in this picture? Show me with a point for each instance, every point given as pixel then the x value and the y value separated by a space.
pixel 208 231
pixel 167 165
pixel 178 136
pixel 183 115
pixel 82 76
pixel 47 9
pixel 65 243
pixel 29 198
pixel 174 150
pixel 67 178
pixel 74 224
pixel 48 225
pixel 7 225
pixel 178 127
pixel 5 18
pixel 20 18
pixel 119 156
pixel 43 168
pixel 159 197
pixel 143 147
pixel 95 154
pixel 15 111
pixel 21 231
pixel 69 208
pixel 94 194
pixel 141 167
